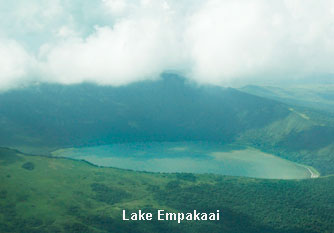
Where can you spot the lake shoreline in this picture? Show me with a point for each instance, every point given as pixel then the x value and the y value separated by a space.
pixel 191 157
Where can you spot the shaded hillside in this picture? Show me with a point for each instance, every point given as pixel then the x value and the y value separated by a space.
pixel 164 110
pixel 40 194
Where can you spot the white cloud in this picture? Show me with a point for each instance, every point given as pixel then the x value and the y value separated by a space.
pixel 130 51
pixel 15 64
pixel 117 7
pixel 116 42
pixel 233 41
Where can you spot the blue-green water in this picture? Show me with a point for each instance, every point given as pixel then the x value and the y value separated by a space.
pixel 192 157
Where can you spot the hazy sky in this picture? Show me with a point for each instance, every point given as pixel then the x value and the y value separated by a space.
pixel 116 42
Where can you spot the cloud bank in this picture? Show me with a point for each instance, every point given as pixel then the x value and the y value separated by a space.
pixel 116 42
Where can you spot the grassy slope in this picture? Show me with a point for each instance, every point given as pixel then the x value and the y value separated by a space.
pixel 314 96
pixel 304 136
pixel 307 134
pixel 62 195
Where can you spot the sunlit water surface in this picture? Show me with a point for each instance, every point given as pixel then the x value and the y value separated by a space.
pixel 192 157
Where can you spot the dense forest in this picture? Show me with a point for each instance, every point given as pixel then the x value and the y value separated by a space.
pixel 44 194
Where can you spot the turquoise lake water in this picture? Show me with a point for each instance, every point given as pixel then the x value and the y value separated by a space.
pixel 190 157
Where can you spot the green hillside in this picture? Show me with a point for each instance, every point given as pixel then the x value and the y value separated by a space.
pixel 304 136
pixel 317 96
pixel 43 194
pixel 42 118
pixel 169 109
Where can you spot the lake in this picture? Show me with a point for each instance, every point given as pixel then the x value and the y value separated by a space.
pixel 190 157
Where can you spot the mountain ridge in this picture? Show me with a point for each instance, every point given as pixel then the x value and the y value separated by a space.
pixel 167 109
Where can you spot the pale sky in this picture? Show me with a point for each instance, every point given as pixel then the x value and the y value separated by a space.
pixel 116 42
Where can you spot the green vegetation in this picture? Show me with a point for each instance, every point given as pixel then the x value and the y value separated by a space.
pixel 304 137
pixel 45 194
pixel 316 96
pixel 63 195
pixel 43 118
